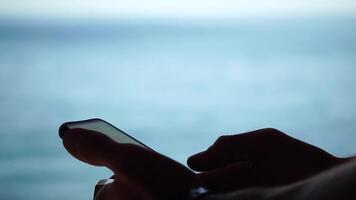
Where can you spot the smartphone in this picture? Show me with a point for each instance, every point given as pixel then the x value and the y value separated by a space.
pixel 107 129
pixel 103 127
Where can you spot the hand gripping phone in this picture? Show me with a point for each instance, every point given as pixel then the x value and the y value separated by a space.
pixel 117 135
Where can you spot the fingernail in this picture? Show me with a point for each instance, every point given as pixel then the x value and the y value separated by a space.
pixel 63 129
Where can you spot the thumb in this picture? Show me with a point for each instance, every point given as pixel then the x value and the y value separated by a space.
pixel 98 149
pixel 131 161
pixel 89 146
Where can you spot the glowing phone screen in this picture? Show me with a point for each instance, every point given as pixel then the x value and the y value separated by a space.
pixel 106 129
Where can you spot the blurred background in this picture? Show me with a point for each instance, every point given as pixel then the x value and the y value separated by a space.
pixel 174 74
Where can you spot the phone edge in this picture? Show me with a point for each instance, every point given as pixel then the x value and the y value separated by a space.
pixel 64 127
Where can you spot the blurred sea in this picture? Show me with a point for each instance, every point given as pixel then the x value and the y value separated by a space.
pixel 174 85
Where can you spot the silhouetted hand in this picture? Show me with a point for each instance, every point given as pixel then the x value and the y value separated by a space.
pixel 141 174
pixel 265 157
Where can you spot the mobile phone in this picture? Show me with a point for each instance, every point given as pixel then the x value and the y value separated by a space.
pixel 107 129
pixel 103 127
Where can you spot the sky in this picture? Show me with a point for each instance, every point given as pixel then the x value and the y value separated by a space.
pixel 174 8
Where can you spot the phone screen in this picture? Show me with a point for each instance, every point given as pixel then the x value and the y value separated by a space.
pixel 103 127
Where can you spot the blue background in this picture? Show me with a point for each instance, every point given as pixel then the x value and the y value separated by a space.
pixel 176 85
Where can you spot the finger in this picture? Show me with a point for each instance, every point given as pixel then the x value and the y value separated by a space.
pixel 224 151
pixel 208 160
pixel 233 148
pixel 88 146
pixel 231 177
pixel 131 162
pixel 106 192
pixel 97 149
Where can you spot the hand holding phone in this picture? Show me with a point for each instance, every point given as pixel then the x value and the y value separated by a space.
pixel 141 172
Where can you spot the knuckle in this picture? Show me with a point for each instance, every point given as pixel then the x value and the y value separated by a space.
pixel 272 131
pixel 272 134
pixel 222 139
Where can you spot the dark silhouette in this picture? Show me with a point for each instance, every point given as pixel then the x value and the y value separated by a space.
pixel 264 164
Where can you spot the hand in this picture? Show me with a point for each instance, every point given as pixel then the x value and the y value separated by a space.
pixel 265 157
pixel 141 174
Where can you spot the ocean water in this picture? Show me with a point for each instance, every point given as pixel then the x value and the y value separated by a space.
pixel 174 85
